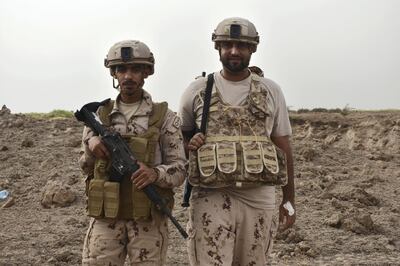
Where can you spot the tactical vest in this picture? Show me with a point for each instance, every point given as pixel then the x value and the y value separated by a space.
pixel 123 200
pixel 238 150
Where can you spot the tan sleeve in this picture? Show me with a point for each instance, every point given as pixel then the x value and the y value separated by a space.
pixel 186 104
pixel 86 160
pixel 281 123
pixel 173 167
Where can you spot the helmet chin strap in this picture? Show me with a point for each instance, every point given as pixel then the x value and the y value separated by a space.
pixel 115 87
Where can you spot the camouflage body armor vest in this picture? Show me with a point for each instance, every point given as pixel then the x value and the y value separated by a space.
pixel 237 150
pixel 123 200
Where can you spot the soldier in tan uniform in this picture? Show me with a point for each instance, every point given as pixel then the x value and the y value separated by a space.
pixel 125 222
pixel 243 155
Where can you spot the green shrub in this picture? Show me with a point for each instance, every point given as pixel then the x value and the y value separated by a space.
pixel 303 110
pixel 53 114
pixel 319 110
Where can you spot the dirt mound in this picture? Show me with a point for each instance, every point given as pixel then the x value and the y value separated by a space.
pixel 347 182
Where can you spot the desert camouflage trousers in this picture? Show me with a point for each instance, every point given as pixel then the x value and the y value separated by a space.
pixel 224 231
pixel 109 242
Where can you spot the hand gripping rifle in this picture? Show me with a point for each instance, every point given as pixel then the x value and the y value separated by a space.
pixel 203 127
pixel 123 162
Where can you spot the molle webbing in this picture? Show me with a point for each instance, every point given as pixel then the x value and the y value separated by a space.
pixel 236 138
pixel 134 203
pixel 237 149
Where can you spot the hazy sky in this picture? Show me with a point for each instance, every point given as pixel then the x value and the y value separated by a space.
pixel 323 53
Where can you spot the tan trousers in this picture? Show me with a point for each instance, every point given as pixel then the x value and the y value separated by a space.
pixel 109 242
pixel 225 231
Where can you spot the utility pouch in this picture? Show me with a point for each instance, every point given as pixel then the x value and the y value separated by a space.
pixel 193 171
pixel 275 164
pixel 141 205
pixel 206 159
pixel 111 199
pixel 96 198
pixel 270 158
pixel 87 182
pixel 226 157
pixel 252 158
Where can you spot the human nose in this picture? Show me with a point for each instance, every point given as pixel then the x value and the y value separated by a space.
pixel 129 74
pixel 234 49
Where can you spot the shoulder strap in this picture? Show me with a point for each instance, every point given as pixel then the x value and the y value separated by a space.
pixel 207 100
pixel 156 118
pixel 104 112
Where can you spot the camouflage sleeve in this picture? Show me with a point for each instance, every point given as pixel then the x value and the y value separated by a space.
pixel 86 160
pixel 173 167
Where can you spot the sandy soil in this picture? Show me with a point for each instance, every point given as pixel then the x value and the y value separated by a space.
pixel 347 185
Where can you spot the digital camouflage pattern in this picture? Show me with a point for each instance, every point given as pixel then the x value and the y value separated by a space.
pixel 237 150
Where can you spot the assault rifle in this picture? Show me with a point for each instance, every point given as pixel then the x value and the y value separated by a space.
pixel 203 126
pixel 123 162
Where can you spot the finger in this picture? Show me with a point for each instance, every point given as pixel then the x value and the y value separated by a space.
pixel 142 185
pixel 136 174
pixel 196 142
pixel 281 214
pixel 192 147
pixel 286 225
pixel 290 220
pixel 104 151
pixel 200 136
pixel 193 141
pixel 136 179
pixel 283 227
pixel 199 142
pixel 98 153
pixel 141 181
pixel 142 175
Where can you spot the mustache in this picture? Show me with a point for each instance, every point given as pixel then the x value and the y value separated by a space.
pixel 129 83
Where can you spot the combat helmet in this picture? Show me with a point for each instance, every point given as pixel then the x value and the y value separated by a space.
pixel 236 29
pixel 129 52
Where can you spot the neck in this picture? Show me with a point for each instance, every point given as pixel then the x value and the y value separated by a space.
pixel 235 76
pixel 135 97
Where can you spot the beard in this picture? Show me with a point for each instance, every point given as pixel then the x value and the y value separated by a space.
pixel 235 67
pixel 131 88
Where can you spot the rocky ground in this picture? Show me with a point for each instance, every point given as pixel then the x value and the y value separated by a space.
pixel 347 185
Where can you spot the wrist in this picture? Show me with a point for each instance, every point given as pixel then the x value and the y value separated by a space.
pixel 156 173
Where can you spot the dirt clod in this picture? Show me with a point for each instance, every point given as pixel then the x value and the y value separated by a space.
pixel 347 203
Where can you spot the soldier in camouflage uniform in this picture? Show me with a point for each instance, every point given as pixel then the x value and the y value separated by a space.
pixel 124 221
pixel 244 153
